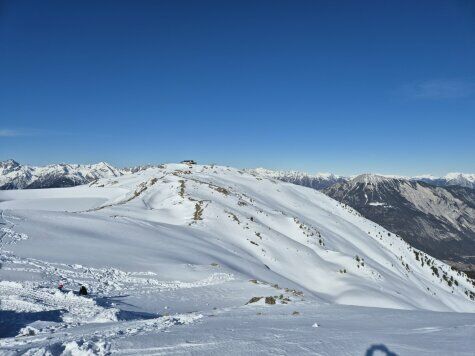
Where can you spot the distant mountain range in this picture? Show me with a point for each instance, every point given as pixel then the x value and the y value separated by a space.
pixel 317 181
pixel 321 181
pixel 451 179
pixel 16 176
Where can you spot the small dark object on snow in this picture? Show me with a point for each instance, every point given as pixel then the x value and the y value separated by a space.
pixel 82 290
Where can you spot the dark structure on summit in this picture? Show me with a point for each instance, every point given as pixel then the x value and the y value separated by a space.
pixel 188 161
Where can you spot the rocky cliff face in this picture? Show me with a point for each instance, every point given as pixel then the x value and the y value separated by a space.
pixel 437 220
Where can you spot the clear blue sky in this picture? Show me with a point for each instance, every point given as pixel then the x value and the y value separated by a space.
pixel 340 86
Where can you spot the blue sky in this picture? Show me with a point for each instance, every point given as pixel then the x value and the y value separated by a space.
pixel 339 86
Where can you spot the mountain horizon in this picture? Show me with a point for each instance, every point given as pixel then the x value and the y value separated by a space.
pixel 266 177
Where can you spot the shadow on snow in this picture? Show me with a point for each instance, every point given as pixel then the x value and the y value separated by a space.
pixel 11 322
pixel 123 314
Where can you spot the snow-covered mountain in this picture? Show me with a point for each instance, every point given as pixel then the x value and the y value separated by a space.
pixel 437 220
pixel 448 233
pixel 451 179
pixel 16 176
pixel 321 181
pixel 316 181
pixel 195 250
pixel 281 230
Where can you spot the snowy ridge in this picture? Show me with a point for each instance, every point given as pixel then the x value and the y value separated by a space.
pixel 181 247
pixel 464 180
pixel 297 233
pixel 453 176
pixel 16 176
pixel 373 179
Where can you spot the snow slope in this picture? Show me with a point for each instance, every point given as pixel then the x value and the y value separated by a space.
pixel 193 242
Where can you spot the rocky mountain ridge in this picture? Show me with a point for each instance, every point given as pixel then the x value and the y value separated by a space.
pixel 437 220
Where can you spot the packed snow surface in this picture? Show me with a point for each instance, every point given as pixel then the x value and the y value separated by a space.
pixel 171 257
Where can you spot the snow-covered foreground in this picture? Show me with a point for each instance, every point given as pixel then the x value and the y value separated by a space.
pixel 172 255
pixel 266 330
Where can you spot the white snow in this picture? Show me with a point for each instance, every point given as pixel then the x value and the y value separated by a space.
pixel 292 174
pixel 379 204
pixel 456 175
pixel 197 243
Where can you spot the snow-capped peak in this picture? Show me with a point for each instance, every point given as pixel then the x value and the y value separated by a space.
pixel 456 176
pixel 9 164
pixel 369 178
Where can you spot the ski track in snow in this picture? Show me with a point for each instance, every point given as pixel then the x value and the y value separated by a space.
pixel 104 280
pixel 40 296
pixel 8 236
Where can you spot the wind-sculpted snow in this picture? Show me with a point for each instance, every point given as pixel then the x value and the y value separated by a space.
pixel 202 240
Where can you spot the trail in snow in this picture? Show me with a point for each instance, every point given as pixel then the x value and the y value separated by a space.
pixel 8 235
